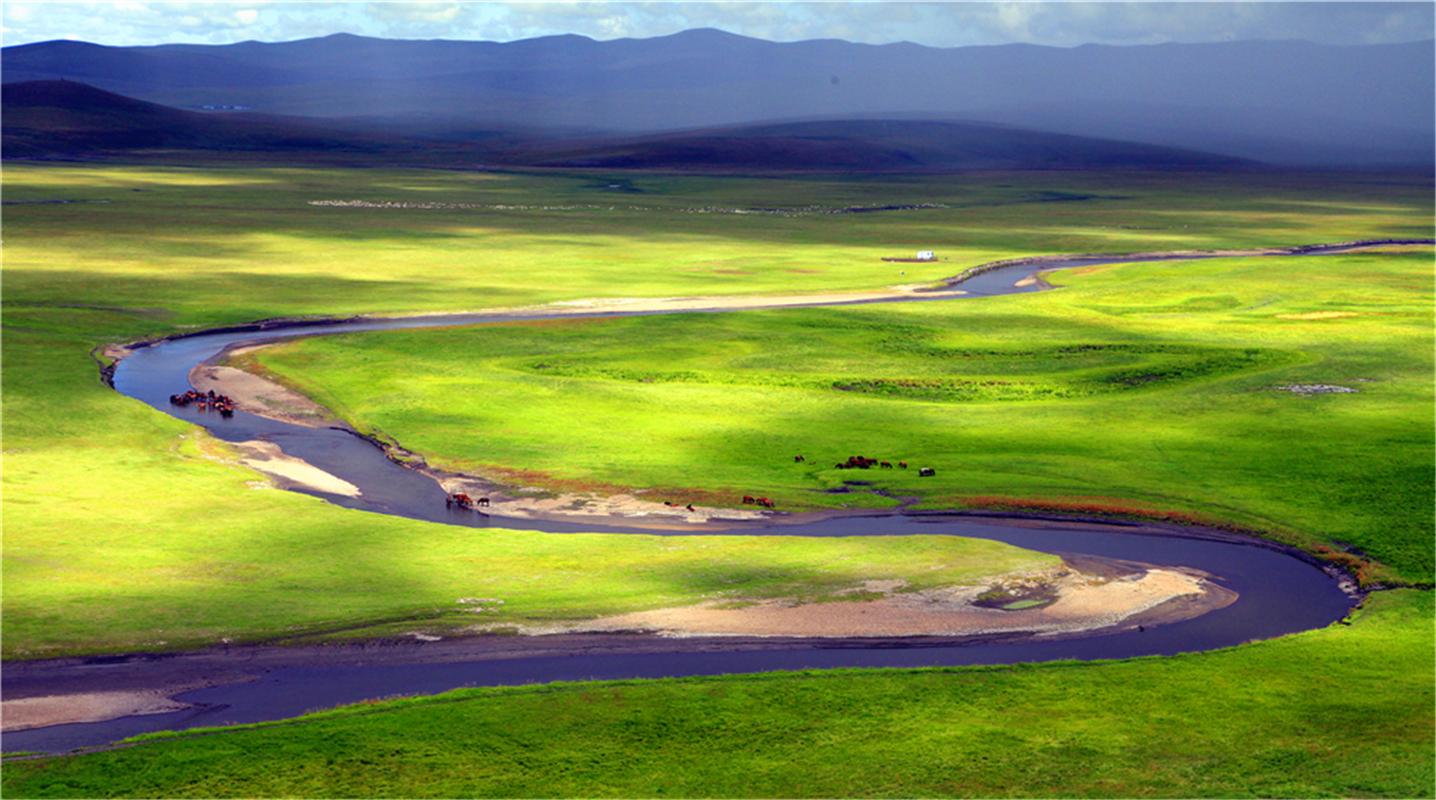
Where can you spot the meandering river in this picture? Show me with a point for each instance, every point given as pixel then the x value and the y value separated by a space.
pixel 1279 591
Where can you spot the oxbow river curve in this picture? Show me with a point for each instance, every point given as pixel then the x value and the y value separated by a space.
pixel 1278 590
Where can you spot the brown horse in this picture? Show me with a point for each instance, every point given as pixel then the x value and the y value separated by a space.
pixel 460 500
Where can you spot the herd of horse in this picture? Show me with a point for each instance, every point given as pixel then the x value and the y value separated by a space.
pixel 463 501
pixel 209 401
pixel 205 401
pixel 863 462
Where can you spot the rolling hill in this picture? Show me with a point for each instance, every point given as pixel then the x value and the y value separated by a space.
pixel 1284 102
pixel 65 119
pixel 60 118
pixel 874 145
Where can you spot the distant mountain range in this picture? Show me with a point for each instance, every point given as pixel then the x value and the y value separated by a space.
pixel 66 119
pixel 1278 102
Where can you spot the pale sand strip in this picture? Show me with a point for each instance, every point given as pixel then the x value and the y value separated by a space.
pixel 259 395
pixel 269 459
pixel 731 302
pixel 64 709
pixel 1084 603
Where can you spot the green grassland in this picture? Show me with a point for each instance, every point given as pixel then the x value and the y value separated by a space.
pixel 229 245
pixel 120 532
pixel 1342 712
pixel 125 529
pixel 1148 387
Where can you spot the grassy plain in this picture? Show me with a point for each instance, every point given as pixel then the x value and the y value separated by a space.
pixel 1342 712
pixel 1143 387
pixel 126 529
pixel 120 533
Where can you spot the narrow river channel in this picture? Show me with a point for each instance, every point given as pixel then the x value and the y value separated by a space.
pixel 1279 591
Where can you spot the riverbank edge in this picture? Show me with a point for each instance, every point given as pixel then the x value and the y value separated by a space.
pixel 1343 567
pixel 106 356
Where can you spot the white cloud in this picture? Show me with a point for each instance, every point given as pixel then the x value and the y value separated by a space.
pixel 416 12
pixel 124 22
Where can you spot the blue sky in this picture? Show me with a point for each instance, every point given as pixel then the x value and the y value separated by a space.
pixel 129 22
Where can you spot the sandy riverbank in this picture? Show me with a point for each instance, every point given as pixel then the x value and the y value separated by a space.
pixel 1104 594
pixel 64 709
pixel 1075 602
pixel 269 459
pixel 259 395
pixel 263 397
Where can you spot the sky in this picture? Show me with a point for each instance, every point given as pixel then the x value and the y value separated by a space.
pixel 943 24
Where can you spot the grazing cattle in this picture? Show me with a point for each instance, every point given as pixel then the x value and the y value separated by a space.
pixel 902 465
pixel 798 459
pixel 690 507
pixel 749 500
pixel 926 472
pixel 765 502
pixel 484 501
pixel 886 465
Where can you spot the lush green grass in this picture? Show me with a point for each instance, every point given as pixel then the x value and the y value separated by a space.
pixel 126 529
pixel 1341 712
pixel 239 244
pixel 120 534
pixel 1140 386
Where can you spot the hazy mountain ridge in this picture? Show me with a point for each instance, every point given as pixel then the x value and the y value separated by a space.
pixel 48 119
pixel 1281 101
pixel 66 119
pixel 875 145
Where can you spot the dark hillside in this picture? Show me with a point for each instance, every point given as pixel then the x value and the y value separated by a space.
pixel 1286 102
pixel 878 145
pixel 65 119
pixel 50 119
